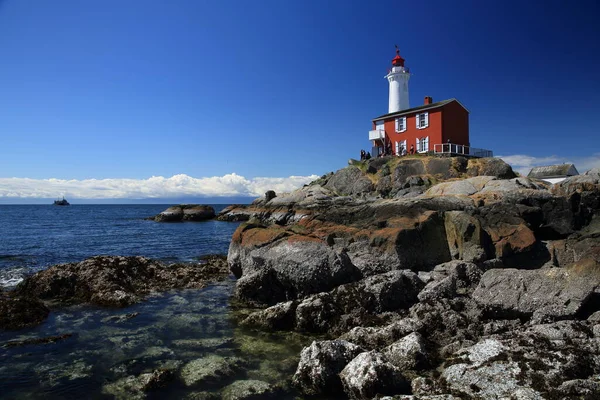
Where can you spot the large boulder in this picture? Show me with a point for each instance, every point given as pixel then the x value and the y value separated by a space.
pixel 349 181
pixel 320 365
pixel 554 293
pixel 370 374
pixel 407 353
pixel 117 281
pixel 491 167
pixel 405 169
pixel 288 268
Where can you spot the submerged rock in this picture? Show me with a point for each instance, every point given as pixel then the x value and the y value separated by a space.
pixel 212 370
pixel 250 389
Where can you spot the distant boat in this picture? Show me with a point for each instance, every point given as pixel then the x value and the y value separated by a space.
pixel 62 202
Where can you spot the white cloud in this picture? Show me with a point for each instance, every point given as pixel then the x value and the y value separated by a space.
pixel 154 187
pixel 523 163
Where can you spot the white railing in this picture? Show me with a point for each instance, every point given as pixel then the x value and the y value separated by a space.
pixel 459 149
pixel 376 134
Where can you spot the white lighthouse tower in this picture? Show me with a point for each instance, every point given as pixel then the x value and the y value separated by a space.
pixel 398 78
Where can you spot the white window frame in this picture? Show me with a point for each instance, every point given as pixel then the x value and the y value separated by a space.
pixel 425 123
pixel 422 144
pixel 401 124
pixel 400 144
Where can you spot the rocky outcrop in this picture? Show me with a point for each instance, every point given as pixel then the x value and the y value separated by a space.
pixel 551 293
pixel 115 281
pixel 452 277
pixel 185 212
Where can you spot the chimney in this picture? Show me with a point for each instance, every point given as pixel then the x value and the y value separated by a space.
pixel 428 100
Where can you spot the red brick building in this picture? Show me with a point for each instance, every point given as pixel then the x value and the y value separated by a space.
pixel 421 128
pixel 441 127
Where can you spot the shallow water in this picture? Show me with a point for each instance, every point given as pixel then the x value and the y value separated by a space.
pixel 107 350
pixel 170 330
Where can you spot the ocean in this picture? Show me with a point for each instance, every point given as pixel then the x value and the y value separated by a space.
pixel 107 349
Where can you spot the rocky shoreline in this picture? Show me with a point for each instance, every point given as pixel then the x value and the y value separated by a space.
pixel 431 278
pixel 107 281
pixel 424 278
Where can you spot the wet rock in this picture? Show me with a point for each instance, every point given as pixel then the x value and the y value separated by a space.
pixel 369 374
pixel 249 390
pixel 186 212
pixel 119 319
pixel 116 281
pixel 17 312
pixel 408 352
pixel 278 317
pixel 34 341
pixel 212 370
pixel 134 387
pixel 554 293
pixel 320 365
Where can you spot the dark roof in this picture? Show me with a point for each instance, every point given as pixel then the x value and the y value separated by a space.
pixel 424 107
pixel 553 171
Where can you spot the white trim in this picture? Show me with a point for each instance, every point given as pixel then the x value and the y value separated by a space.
pixel 423 144
pixel 425 120
pixel 403 124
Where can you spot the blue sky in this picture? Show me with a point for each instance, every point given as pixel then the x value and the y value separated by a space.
pixel 115 92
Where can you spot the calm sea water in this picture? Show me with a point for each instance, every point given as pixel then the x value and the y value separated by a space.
pixel 107 352
pixel 33 237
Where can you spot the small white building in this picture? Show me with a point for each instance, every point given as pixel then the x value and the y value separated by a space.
pixel 553 173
